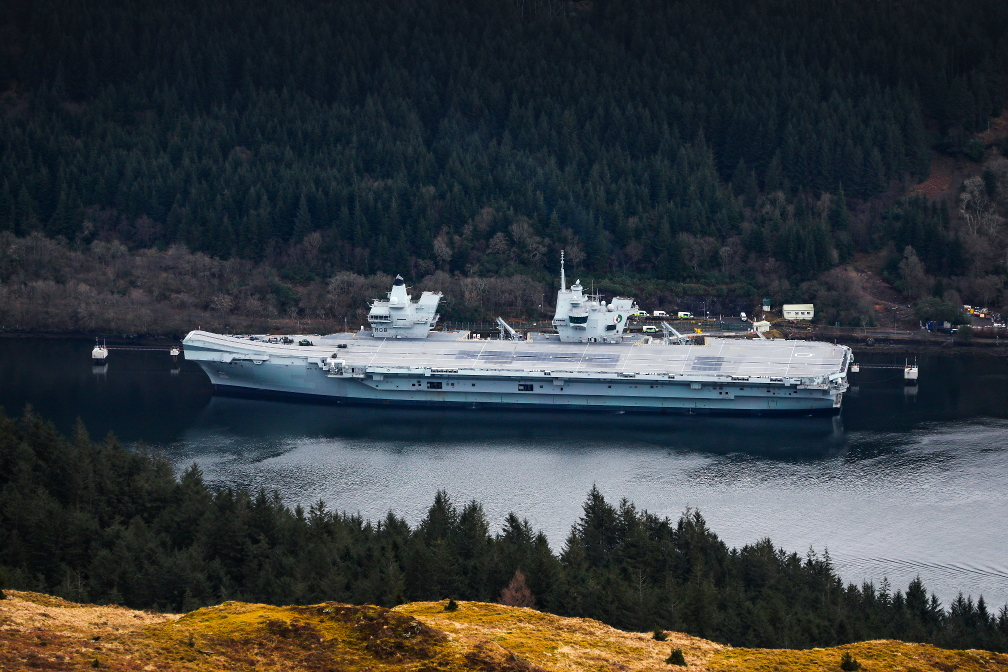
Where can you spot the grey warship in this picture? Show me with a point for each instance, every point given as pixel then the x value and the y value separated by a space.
pixel 589 363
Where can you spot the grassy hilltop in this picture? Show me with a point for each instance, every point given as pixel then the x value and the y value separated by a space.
pixel 42 632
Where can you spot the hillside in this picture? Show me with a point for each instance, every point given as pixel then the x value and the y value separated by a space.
pixel 42 632
pixel 681 151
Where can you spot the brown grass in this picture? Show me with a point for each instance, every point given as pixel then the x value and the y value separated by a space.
pixel 875 656
pixel 558 643
pixel 944 173
pixel 948 172
pixel 998 130
pixel 46 633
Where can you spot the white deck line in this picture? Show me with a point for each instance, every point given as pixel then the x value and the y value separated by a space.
pixel 376 351
pixel 581 358
pixel 627 358
pixel 477 360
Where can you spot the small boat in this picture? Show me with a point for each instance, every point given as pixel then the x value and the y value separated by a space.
pixel 100 352
pixel 910 373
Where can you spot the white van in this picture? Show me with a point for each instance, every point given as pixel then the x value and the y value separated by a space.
pixel 685 316
pixel 649 329
pixel 660 313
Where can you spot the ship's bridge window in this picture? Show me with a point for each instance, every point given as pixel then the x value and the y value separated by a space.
pixel 575 319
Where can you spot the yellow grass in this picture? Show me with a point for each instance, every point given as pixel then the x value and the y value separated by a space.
pixel 876 656
pixel 557 643
pixel 46 633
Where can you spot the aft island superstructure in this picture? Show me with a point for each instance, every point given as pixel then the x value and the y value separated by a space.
pixel 589 364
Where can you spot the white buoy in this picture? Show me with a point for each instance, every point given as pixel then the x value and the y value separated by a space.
pixel 100 352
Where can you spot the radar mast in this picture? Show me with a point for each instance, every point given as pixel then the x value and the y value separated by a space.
pixel 563 278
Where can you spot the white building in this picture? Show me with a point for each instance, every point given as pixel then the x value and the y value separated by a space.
pixel 798 311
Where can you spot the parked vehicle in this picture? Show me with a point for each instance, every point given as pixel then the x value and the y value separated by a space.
pixel 660 313
pixel 685 315
pixel 649 329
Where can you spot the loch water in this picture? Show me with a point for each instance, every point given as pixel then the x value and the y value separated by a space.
pixel 905 482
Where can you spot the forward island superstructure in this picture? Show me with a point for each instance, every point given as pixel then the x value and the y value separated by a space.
pixel 589 364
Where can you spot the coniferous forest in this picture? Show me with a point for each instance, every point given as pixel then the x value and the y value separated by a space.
pixel 722 142
pixel 223 154
pixel 93 521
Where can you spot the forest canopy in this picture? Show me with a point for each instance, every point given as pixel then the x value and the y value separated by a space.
pixel 95 521
pixel 677 140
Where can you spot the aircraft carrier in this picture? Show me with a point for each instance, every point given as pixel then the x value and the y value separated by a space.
pixel 590 363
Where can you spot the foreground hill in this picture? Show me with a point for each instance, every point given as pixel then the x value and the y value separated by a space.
pixel 42 632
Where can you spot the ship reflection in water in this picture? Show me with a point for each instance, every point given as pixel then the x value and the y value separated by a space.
pixel 772 437
pixel 890 503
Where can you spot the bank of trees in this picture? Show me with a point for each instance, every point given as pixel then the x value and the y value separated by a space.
pixel 47 285
pixel 658 139
pixel 94 521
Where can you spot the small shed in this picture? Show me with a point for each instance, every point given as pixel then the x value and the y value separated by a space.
pixel 798 311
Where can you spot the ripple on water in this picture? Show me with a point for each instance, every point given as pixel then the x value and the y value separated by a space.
pixel 929 501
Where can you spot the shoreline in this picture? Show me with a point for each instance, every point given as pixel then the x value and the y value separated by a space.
pixel 866 344
pixel 859 344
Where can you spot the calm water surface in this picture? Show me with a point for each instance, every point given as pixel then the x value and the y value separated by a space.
pixel 905 482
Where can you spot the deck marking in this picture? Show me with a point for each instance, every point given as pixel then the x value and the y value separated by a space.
pixel 790 359
pixel 376 352
pixel 629 356
pixel 581 358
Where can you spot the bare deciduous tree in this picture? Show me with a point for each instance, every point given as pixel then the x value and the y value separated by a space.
pixel 977 209
pixel 442 250
pixel 525 238
pixel 517 593
pixel 916 282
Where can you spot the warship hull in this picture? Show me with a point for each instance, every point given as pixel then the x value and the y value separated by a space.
pixel 722 376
